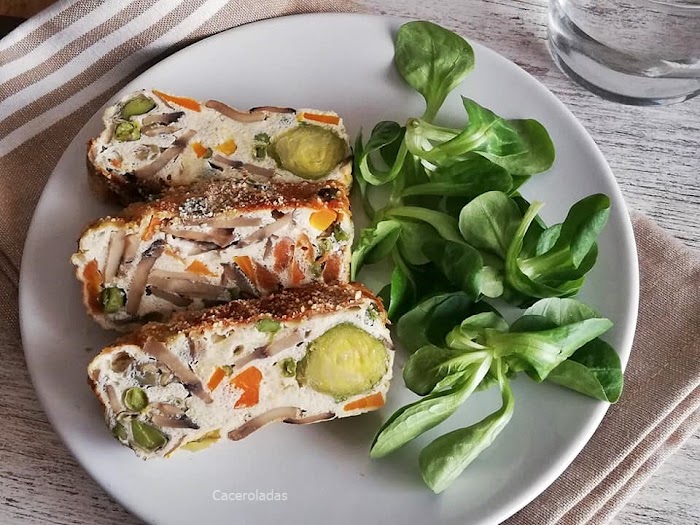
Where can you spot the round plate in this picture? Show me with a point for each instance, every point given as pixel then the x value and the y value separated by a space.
pixel 322 472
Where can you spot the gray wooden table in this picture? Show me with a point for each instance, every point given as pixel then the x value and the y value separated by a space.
pixel 655 154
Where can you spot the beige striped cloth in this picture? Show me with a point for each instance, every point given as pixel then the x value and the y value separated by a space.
pixel 60 67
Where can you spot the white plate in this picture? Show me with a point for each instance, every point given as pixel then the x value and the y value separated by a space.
pixel 341 62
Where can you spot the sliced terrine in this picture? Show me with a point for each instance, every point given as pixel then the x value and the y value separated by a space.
pixel 212 242
pixel 152 140
pixel 300 356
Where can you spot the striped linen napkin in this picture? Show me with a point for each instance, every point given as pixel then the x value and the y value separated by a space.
pixel 60 67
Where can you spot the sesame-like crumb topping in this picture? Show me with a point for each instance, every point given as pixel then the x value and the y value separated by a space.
pixel 208 198
pixel 195 207
pixel 287 305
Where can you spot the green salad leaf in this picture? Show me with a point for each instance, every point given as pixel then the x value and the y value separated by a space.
pixel 522 147
pixel 384 134
pixel 467 178
pixel 459 263
pixel 489 222
pixel 431 364
pixel 563 255
pixel 431 320
pixel 544 350
pixel 374 244
pixel 414 234
pixel 445 225
pixel 443 460
pixel 593 370
pixel 411 421
pixel 432 60
pixel 403 287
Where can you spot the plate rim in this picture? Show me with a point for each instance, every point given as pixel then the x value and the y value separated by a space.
pixel 574 448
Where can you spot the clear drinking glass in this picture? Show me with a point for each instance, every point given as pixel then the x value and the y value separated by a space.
pixel 643 52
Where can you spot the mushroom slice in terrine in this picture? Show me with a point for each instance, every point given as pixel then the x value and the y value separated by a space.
pixel 153 140
pixel 300 356
pixel 210 243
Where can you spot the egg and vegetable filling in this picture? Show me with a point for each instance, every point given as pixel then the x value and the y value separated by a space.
pixel 153 140
pixel 211 243
pixel 300 356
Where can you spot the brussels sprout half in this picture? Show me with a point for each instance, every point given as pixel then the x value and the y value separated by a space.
pixel 308 151
pixel 343 362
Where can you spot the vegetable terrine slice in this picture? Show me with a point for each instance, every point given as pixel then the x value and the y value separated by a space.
pixel 153 140
pixel 212 242
pixel 300 356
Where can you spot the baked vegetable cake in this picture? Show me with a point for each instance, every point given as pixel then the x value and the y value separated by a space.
pixel 210 243
pixel 153 140
pixel 300 356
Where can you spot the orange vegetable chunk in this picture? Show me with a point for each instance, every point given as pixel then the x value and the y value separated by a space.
pixel 151 228
pixel 228 147
pixel 246 265
pixel 372 401
pixel 93 285
pixel 199 149
pixel 322 218
pixel 249 381
pixel 326 119
pixel 216 378
pixel 185 102
pixel 283 253
pixel 198 267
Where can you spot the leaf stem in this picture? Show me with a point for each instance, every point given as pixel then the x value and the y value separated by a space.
pixel 536 267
